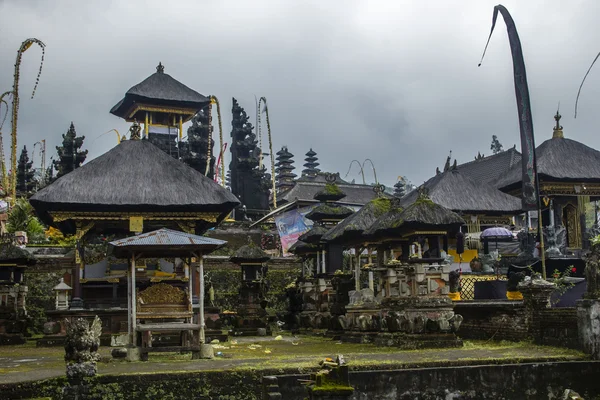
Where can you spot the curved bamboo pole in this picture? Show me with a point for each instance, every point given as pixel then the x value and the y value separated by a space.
pixel 362 171
pixel 15 109
pixel 374 171
pixel 210 130
pixel 214 100
pixel 4 176
pixel 259 128
pixel 266 110
pixel 582 82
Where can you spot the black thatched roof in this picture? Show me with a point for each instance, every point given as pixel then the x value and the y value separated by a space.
pixel 160 88
pixel 558 159
pixel 134 176
pixel 301 247
pixel 11 254
pixel 329 212
pixel 313 235
pixel 249 253
pixel 352 228
pixel 455 191
pixel 488 169
pixel 423 214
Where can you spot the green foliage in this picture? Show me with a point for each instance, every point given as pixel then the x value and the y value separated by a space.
pixel 381 206
pixel 22 218
pixel 226 283
pixel 40 298
pixel 333 189
pixel 496 146
pixel 25 174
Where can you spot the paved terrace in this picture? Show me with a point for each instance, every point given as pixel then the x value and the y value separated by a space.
pixel 28 363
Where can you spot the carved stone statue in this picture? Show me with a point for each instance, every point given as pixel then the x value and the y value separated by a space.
pixel 81 348
pixel 454 282
pixel 514 278
pixel 551 237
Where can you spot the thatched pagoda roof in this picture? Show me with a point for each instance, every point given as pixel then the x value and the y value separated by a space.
pixel 300 248
pixel 457 192
pixel 351 229
pixel 331 192
pixel 313 235
pixel 558 160
pixel 160 88
pixel 328 211
pixel 134 176
pixel 423 214
pixel 11 254
pixel 249 253
pixel 489 168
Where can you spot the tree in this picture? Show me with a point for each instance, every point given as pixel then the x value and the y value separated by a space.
pixel 70 156
pixel 22 218
pixel 400 188
pixel 496 146
pixel 25 174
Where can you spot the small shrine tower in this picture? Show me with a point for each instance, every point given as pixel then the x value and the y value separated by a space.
pixel 162 104
pixel 284 169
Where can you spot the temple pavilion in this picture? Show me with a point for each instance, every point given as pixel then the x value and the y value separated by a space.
pixel 132 189
pixel 569 179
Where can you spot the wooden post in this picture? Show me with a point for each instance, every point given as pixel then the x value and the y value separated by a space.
pixel 133 301
pixel 201 299
pixel 129 308
pixel 188 275
pixel 357 270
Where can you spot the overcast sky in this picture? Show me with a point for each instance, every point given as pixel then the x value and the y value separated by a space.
pixel 393 81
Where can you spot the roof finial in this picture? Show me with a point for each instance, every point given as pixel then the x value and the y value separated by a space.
pixel 160 68
pixel 558 129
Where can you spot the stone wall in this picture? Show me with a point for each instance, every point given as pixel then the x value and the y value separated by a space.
pixel 495 320
pixel 514 381
pixel 558 327
pixel 509 320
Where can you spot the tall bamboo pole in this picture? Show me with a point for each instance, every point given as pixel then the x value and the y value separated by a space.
pixel 271 153
pixel 15 109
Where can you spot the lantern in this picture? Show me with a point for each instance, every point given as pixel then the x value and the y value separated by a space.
pixel 62 295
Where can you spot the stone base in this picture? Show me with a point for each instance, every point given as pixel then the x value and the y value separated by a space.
pixel 206 351
pixel 7 339
pixel 134 354
pixel 418 341
pixel 588 323
pixel 404 340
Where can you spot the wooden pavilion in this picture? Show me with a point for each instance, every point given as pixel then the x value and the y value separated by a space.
pixel 569 179
pixel 160 304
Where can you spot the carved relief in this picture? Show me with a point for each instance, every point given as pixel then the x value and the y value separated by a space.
pixel 162 293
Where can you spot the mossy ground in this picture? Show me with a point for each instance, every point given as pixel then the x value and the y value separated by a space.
pixel 292 354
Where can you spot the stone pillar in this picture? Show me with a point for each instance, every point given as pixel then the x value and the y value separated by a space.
pixel 76 302
pixel 536 297
pixel 588 325
pixel 333 385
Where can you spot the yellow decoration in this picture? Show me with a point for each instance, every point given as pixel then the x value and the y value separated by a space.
pixel 467 256
pixel 164 274
pixel 136 224
pixel 454 296
pixel 514 295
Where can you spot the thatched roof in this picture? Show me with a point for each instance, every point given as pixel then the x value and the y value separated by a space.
pixel 457 192
pixel 134 176
pixel 249 253
pixel 351 228
pixel 329 212
pixel 331 192
pixel 301 247
pixel 423 214
pixel 11 254
pixel 160 88
pixel 313 235
pixel 558 160
pixel 306 187
pixel 488 169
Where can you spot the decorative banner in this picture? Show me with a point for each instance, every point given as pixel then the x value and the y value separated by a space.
pixel 530 192
pixel 136 224
pixel 291 225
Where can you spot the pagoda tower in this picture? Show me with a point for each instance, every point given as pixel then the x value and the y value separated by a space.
pixel 194 152
pixel 162 104
pixel 311 164
pixel 284 170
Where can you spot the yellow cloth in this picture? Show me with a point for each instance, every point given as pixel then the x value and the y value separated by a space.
pixel 164 274
pixel 514 296
pixel 454 296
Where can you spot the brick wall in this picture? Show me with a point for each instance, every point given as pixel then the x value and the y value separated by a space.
pixel 558 327
pixel 491 319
